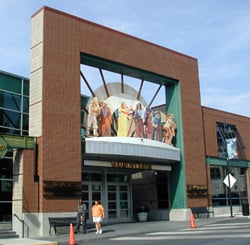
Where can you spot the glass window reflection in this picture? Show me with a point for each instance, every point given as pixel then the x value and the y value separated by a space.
pixel 10 101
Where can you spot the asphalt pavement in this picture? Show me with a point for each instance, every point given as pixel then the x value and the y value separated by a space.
pixel 115 230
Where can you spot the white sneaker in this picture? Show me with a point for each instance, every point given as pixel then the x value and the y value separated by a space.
pixel 97 232
pixel 100 232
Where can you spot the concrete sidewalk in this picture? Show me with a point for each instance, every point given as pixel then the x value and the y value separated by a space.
pixel 115 230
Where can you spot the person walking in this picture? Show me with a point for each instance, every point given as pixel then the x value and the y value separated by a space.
pixel 98 216
pixel 81 217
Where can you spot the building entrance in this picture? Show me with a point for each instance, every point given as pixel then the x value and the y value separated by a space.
pixel 113 190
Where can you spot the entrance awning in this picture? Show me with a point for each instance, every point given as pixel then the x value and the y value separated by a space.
pixel 130 149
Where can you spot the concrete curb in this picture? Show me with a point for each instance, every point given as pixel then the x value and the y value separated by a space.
pixel 25 241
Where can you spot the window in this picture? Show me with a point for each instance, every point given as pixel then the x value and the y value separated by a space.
pixel 227 132
pixel 215 173
pixel 242 171
pixel 117 178
pixel 14 105
pixel 91 177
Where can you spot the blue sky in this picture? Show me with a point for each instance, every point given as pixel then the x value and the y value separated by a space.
pixel 216 32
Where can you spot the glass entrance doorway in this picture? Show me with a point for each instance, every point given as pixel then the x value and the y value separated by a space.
pixel 118 197
pixel 118 202
pixel 114 192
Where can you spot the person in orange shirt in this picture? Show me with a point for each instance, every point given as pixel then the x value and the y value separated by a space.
pixel 98 216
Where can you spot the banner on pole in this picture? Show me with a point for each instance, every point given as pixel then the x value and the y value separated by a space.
pixel 232 152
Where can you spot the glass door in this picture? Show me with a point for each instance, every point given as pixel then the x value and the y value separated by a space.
pixel 91 189
pixel 124 202
pixel 112 201
pixel 118 202
pixel 114 194
pixel 90 193
pixel 118 197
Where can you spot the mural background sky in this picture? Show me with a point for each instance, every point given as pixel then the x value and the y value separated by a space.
pixel 216 32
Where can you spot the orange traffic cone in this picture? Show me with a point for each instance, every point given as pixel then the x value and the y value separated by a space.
pixel 192 221
pixel 72 240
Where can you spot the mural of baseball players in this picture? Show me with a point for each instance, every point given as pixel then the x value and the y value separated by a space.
pixel 123 120
pixel 139 118
pixel 169 127
pixel 157 126
pixel 93 111
pixel 138 122
pixel 104 119
pixel 149 129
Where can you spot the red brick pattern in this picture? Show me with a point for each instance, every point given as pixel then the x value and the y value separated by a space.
pixel 65 37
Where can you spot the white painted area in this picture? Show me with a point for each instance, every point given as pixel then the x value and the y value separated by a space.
pixel 132 146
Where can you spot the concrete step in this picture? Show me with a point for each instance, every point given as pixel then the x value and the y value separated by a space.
pixel 8 234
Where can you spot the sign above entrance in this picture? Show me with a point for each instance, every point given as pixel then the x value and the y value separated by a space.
pixel 130 165
pixel 127 165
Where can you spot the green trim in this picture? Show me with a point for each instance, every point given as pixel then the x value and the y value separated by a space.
pixel 173 105
pixel 16 141
pixel 120 68
pixel 210 160
pixel 178 174
pixel 3 147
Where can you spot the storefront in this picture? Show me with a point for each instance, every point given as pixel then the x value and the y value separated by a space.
pixel 70 160
pixel 125 161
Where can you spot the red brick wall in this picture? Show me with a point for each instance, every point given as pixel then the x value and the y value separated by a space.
pixel 64 38
pixel 31 189
pixel 211 116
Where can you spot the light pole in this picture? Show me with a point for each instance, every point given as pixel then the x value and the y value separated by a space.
pixel 229 190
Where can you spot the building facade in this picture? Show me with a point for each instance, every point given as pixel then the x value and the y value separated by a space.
pixel 71 153
pixel 14 109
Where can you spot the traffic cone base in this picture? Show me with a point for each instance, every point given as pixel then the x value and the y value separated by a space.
pixel 72 240
pixel 192 221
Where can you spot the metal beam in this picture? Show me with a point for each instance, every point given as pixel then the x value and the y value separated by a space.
pixel 210 160
pixel 15 141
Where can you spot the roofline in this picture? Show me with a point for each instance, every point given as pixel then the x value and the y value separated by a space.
pixel 14 75
pixel 225 112
pixel 110 29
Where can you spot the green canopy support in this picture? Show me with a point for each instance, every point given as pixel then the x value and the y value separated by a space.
pixel 15 141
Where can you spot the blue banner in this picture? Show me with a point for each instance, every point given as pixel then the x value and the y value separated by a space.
pixel 232 152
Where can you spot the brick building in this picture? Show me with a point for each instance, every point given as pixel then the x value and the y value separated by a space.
pixel 125 173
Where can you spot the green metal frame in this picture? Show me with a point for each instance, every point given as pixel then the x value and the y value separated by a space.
pixel 116 67
pixel 178 175
pixel 15 141
pixel 173 105
pixel 210 160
